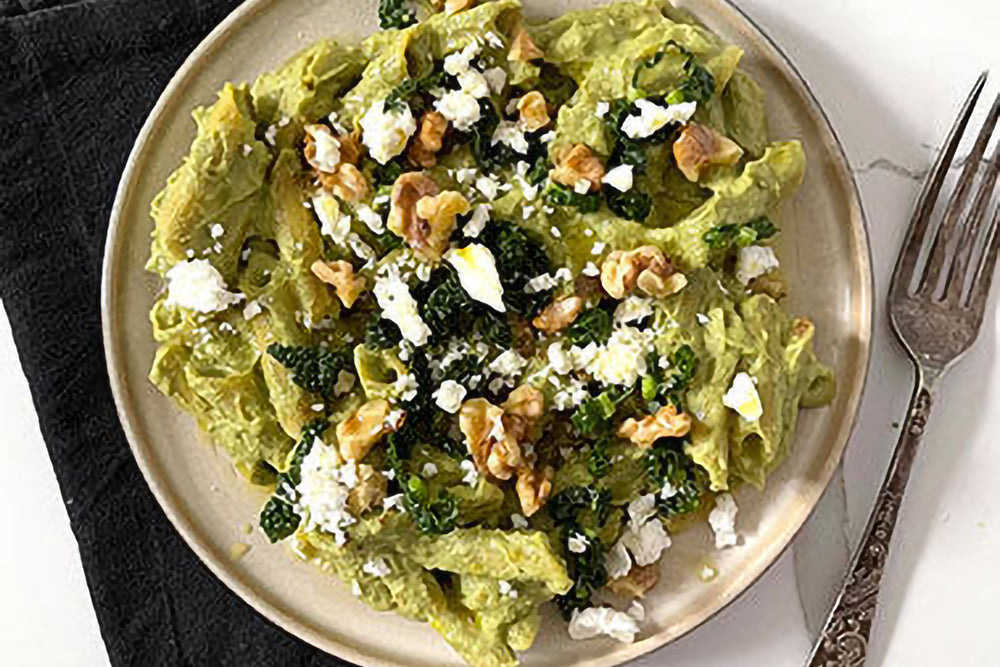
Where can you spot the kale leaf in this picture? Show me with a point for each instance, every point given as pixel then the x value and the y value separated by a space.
pixel 519 258
pixel 395 14
pixel 592 326
pixel 433 517
pixel 313 368
pixel 588 574
pixel 725 236
pixel 660 385
pixel 598 463
pixel 667 464
pixel 382 334
pixel 581 509
pixel 631 205
pixel 560 195
pixel 595 415
pixel 278 519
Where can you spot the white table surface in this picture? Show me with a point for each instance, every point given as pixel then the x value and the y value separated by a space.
pixel 890 74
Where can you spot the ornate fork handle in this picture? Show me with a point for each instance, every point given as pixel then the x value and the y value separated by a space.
pixel 844 639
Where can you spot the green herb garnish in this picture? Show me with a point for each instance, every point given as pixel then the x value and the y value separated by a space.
pixel 725 236
pixel 395 14
pixel 592 326
pixel 313 368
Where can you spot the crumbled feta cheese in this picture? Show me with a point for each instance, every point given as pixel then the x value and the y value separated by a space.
pixel 376 567
pixel 602 109
pixel 488 187
pixel 449 396
pixel 476 224
pixel 197 285
pixel 743 398
pixel 461 108
pixel 332 223
pixel 620 177
pixel 591 270
pixel 323 489
pixel 722 519
pixel 356 588
pixel 345 382
pixel 216 230
pixel 636 611
pixel 577 543
pixel 371 219
pixel 393 502
pixel 581 187
pixel 494 40
pixel 595 621
pixel 518 521
pixel 252 310
pixel 429 470
pixel 647 542
pixel 508 364
pixel 387 132
pixel 512 134
pixel 622 361
pixel 399 306
pixel 496 78
pixel 559 359
pixel 642 509
pixel 554 231
pixel 653 117
pixel 460 61
pixel 702 318
pixel 327 146
pixel 753 262
pixel 668 491
pixel 405 387
pixel 617 562
pixel 471 475
pixel 598 247
pixel 477 273
pixel 247 149
pixel 270 134
pixel 465 175
pixel 506 588
pixel 633 309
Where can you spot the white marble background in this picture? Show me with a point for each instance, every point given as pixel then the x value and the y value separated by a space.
pixel 891 74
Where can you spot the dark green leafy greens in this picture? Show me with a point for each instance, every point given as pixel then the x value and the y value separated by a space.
pixel 395 14
pixel 382 334
pixel 630 205
pixel 313 368
pixel 592 326
pixel 560 195
pixel 668 467
pixel 278 519
pixel 595 416
pixel 660 386
pixel 583 510
pixel 725 236
pixel 598 462
pixel 519 258
pixel 432 515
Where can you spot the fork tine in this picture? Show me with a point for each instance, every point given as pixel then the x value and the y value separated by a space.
pixel 984 272
pixel 928 197
pixel 950 224
pixel 971 234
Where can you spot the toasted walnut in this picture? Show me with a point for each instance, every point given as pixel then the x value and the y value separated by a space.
pixel 700 146
pixel 494 434
pixel 533 489
pixel 408 189
pixel 368 492
pixel 357 434
pixel 480 422
pixel 645 267
pixel 559 314
pixel 440 214
pixel 340 274
pixel 322 149
pixel 577 164
pixel 771 284
pixel 522 47
pixel 666 423
pixel 455 6
pixel 534 111
pixel 351 148
pixel 424 149
pixel 640 580
pixel 347 182
pixel 506 456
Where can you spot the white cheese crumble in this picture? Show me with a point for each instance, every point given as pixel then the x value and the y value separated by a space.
pixel 581 187
pixel 488 187
pixel 393 502
pixel 753 262
pixel 461 108
pixel 332 223
pixel 476 224
pixel 743 398
pixel 327 146
pixel 577 543
pixel 722 519
pixel 591 270
pixel 449 396
pixel 429 470
pixel 595 621
pixel 506 588
pixel 518 521
pixel 197 285
pixel 387 132
pixel 496 78
pixel 647 542
pixel 399 306
pixel 620 177
pixel 617 561
pixel 559 360
pixel 602 109
pixel 652 117
pixel 252 310
pixel 376 567
pixel 477 273
pixel 372 220
pixel 512 134
pixel 216 231
pixel 622 361
pixel 508 363
pixel 471 475
pixel 405 388
pixel 642 509
pixel 321 495
pixel 345 382
pixel 636 611
pixel 633 309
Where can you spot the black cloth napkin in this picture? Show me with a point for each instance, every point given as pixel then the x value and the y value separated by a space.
pixel 77 79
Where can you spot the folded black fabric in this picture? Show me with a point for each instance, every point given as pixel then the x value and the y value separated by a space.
pixel 77 79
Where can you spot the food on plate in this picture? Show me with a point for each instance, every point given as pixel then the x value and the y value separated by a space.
pixel 490 306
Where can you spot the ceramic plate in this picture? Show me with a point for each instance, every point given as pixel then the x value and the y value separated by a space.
pixel 825 257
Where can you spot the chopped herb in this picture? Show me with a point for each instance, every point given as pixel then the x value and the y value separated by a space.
pixel 278 519
pixel 725 236
pixel 314 368
pixel 666 463
pixel 388 173
pixel 595 415
pixel 631 205
pixel 592 326
pixel 560 195
pixel 382 334
pixel 395 14
pixel 598 463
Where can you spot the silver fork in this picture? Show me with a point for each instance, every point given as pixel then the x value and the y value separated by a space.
pixel 936 304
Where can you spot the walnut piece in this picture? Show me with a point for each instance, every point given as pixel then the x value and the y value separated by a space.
pixel 494 435
pixel 424 149
pixel 523 48
pixel 357 434
pixel 645 267
pixel 577 164
pixel 347 182
pixel 666 423
pixel 771 284
pixel 559 314
pixel 533 488
pixel 534 111
pixel 699 146
pixel 368 492
pixel 455 6
pixel 440 214
pixel 480 423
pixel 406 192
pixel 340 274
pixel 640 580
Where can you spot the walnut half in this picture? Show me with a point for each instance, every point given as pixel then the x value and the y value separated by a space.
pixel 699 147
pixel 357 434
pixel 523 48
pixel 424 149
pixel 559 314
pixel 440 214
pixel 533 111
pixel 406 192
pixel 666 423
pixel 645 267
pixel 340 274
pixel 533 488
pixel 575 165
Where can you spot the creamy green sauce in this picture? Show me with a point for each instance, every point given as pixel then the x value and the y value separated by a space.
pixel 273 362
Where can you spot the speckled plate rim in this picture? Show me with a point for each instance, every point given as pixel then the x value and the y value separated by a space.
pixel 224 570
